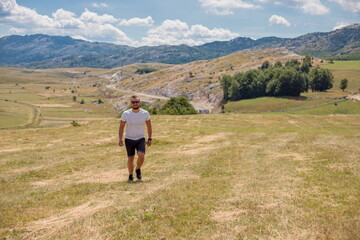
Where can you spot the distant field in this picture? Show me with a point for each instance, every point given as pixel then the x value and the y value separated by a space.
pixel 313 100
pixel 346 69
pixel 14 114
pixel 51 92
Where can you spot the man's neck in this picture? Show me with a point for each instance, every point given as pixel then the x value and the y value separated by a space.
pixel 136 110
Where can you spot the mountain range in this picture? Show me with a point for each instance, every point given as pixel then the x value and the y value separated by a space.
pixel 43 51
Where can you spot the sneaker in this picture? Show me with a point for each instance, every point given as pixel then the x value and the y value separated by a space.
pixel 131 178
pixel 138 174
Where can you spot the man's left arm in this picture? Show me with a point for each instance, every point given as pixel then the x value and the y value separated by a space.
pixel 149 131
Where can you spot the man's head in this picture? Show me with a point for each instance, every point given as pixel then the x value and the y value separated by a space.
pixel 135 102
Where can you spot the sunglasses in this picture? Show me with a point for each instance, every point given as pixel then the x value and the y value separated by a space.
pixel 135 101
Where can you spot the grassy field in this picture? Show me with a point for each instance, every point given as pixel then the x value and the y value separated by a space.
pixel 290 171
pixel 248 176
pixel 346 69
pixel 47 95
pixel 310 102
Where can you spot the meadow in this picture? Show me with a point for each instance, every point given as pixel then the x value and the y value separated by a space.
pixel 328 102
pixel 276 174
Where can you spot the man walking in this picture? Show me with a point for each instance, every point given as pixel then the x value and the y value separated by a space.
pixel 135 118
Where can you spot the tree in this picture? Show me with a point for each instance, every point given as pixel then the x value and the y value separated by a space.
pixel 306 64
pixel 277 64
pixel 234 93
pixel 74 98
pixel 82 101
pixel 265 65
pixel 343 84
pixel 293 63
pixel 225 84
pixel 320 79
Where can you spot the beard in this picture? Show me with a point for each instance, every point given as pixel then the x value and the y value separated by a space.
pixel 135 107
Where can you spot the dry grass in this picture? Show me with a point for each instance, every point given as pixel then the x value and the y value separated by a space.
pixel 206 177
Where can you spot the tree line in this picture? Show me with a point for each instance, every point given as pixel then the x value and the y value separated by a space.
pixel 290 79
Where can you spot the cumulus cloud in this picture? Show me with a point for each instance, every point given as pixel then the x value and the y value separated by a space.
pixel 312 7
pixel 279 20
pixel 350 5
pixel 90 25
pixel 225 7
pixel 88 16
pixel 175 32
pixel 146 22
pixel 99 5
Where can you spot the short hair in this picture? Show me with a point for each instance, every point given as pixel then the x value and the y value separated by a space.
pixel 134 96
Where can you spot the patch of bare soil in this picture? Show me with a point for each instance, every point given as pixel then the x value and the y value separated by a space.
pixel 53 105
pixel 355 98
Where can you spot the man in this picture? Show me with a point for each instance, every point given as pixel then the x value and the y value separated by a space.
pixel 135 118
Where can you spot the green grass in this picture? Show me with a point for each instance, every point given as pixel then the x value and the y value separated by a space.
pixel 344 107
pixel 14 114
pixel 228 176
pixel 268 104
pixel 345 69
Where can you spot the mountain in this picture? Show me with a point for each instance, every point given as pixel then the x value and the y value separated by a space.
pixel 340 44
pixel 31 48
pixel 42 51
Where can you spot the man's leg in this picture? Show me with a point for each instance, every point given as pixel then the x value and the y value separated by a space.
pixel 131 165
pixel 140 160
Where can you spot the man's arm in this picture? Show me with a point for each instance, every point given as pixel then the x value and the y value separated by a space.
pixel 149 131
pixel 121 132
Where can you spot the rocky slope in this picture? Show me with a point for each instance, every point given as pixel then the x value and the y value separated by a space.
pixel 200 80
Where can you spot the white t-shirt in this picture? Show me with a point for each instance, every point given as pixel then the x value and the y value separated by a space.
pixel 135 123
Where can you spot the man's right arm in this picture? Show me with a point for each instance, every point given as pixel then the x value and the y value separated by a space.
pixel 121 132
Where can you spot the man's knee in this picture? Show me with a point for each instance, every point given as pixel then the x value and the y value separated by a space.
pixel 141 154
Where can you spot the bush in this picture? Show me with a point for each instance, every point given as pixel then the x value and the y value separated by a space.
pixel 178 106
pixel 145 70
pixel 75 124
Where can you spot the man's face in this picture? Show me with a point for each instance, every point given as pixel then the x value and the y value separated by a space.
pixel 135 103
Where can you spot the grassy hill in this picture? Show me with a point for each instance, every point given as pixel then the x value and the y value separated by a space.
pixel 200 80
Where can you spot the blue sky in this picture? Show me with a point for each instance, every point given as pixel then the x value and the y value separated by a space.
pixel 173 22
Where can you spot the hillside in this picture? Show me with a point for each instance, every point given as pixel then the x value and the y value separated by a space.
pixel 42 51
pixel 200 80
pixel 342 43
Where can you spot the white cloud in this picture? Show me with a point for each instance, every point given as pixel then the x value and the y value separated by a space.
pixel 88 16
pixel 350 5
pixel 225 7
pixel 175 32
pixel 146 22
pixel 340 25
pixel 90 25
pixel 99 5
pixel 279 20
pixel 313 7
pixel 66 19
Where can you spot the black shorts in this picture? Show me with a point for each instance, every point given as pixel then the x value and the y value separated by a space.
pixel 131 145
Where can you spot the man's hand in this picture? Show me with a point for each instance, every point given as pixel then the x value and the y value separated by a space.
pixel 121 143
pixel 148 143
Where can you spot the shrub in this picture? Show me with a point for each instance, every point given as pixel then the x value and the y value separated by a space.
pixel 178 106
pixel 75 124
